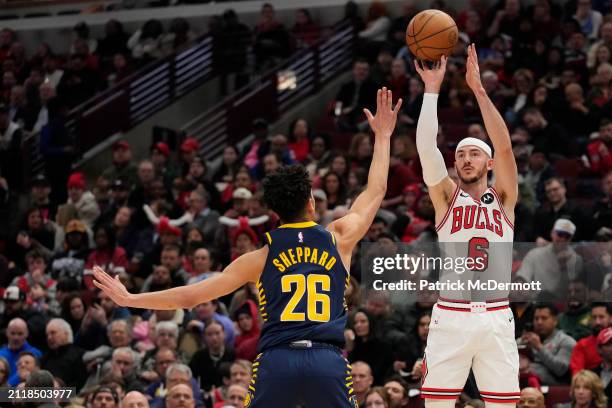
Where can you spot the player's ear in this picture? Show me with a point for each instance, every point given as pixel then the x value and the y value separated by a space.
pixel 490 164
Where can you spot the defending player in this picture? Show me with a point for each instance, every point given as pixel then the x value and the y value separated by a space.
pixel 474 329
pixel 301 275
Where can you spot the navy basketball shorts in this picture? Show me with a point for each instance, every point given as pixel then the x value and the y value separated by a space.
pixel 318 376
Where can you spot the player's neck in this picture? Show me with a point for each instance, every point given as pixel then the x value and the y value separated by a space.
pixel 475 189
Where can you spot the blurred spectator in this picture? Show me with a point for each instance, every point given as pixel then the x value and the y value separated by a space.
pixel 367 347
pixel 305 31
pixel 377 24
pixel 359 93
pixel 544 136
pixel 600 151
pixel 10 149
pixel 602 212
pixel 584 355
pixel 590 20
pixel 27 364
pixel 604 370
pixel 248 324
pixel 555 263
pixel 556 207
pixel 397 389
pixel 587 389
pixel 573 321
pixel 79 82
pixel 550 347
pixel 205 362
pixel 179 393
pixel 17 343
pixel 114 41
pixel 63 359
pixel 531 398
pixel 230 164
pixel 362 380
pixel 134 399
pixel 605 38
pixel 411 106
pixel 506 19
pixel 57 148
pixel 299 139
pixel 234 42
pixel 272 42
pixel 377 397
pixel 145 43
pixel 178 35
pixel 122 167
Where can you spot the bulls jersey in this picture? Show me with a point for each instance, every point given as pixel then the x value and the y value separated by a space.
pixel 478 229
pixel 301 289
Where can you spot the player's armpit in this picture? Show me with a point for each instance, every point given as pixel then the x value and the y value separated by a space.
pixel 441 195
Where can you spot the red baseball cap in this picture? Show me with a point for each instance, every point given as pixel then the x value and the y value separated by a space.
pixel 190 145
pixel 604 336
pixel 76 180
pixel 162 148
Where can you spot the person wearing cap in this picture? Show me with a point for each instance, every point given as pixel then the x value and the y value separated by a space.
pixel 553 264
pixel 122 167
pixel 188 151
pixel 11 137
pixel 71 260
pixel 15 306
pixel 604 370
pixel 584 355
pixel 40 197
pixel 83 199
pixel 160 156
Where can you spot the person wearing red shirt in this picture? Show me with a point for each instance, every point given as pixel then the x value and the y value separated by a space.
pixel 299 139
pixel 600 150
pixel 584 355
pixel 107 254
pixel 399 176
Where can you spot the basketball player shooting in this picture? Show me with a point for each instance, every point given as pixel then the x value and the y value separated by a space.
pixel 301 274
pixel 466 334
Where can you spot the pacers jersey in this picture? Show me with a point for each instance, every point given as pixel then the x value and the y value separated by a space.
pixel 477 229
pixel 301 289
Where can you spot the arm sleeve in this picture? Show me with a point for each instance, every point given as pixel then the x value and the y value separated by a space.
pixel 432 162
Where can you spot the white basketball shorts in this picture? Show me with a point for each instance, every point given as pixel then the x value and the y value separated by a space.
pixel 477 335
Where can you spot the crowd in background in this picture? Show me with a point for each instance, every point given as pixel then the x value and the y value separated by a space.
pixel 172 219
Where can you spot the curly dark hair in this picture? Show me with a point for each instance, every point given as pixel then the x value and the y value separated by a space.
pixel 287 191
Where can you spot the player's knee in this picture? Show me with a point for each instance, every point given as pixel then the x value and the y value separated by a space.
pixel 440 403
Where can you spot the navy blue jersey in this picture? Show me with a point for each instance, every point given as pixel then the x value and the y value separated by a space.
pixel 301 289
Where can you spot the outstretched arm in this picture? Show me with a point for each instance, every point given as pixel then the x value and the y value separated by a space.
pixel 245 269
pixel 504 165
pixel 353 226
pixel 441 187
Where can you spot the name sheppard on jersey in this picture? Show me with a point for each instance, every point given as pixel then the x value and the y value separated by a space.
pixel 424 284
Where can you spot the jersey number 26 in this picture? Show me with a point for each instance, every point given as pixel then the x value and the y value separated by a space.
pixel 306 285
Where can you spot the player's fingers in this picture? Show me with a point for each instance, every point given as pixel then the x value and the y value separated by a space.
pixel 378 99
pixel 384 102
pixel 443 61
pixel 368 115
pixel 417 67
pixel 398 106
pixel 390 100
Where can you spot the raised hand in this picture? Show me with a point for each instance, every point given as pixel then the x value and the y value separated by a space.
pixel 386 115
pixel 112 287
pixel 432 77
pixel 472 73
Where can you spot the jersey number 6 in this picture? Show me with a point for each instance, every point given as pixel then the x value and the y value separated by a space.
pixel 477 250
pixel 306 285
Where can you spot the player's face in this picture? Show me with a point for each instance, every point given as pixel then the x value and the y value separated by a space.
pixel 472 164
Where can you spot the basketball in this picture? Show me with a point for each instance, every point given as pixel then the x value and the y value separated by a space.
pixel 431 34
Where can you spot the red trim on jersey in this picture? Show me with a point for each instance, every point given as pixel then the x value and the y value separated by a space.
pixel 442 390
pixel 450 208
pixel 466 309
pixel 501 207
pixel 445 397
pixel 456 309
pixel 453 300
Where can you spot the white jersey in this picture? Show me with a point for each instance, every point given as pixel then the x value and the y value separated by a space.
pixel 477 229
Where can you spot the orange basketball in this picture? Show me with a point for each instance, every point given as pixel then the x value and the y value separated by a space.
pixel 431 34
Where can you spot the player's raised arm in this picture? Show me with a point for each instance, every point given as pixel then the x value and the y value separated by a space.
pixel 245 269
pixel 504 164
pixel 353 226
pixel 435 175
